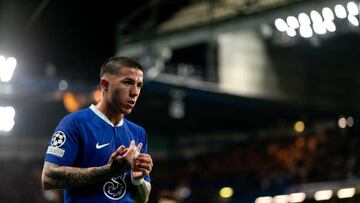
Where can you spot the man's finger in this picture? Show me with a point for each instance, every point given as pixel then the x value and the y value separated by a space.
pixel 138 148
pixel 118 151
pixel 132 144
pixel 144 158
pixel 146 166
pixel 145 171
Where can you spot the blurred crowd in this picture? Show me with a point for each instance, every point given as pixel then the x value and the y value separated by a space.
pixel 251 168
pixel 267 167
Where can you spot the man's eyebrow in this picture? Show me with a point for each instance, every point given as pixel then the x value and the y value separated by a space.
pixel 128 78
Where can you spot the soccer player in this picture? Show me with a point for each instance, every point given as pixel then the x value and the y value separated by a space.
pixel 95 154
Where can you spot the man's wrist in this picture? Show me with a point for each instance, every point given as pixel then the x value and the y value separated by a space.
pixel 135 181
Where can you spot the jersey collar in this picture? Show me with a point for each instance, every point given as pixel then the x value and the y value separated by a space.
pixel 102 116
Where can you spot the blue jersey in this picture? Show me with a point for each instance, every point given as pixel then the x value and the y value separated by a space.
pixel 87 139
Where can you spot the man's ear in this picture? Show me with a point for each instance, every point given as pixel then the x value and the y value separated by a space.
pixel 104 84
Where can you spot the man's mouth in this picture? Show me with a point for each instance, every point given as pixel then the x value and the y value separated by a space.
pixel 130 104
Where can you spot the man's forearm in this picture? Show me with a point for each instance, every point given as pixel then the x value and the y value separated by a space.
pixel 57 177
pixel 142 192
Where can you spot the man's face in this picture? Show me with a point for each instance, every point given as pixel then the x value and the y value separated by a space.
pixel 124 89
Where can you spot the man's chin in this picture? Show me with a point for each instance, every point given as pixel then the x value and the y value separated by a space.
pixel 127 111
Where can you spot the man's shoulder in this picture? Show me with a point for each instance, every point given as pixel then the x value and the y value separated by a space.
pixel 133 125
pixel 78 115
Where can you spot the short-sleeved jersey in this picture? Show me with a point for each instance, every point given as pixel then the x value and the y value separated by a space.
pixel 87 139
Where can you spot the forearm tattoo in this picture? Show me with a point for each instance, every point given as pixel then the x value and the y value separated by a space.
pixel 56 177
pixel 142 192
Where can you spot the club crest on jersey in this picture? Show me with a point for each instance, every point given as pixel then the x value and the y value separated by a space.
pixel 115 189
pixel 58 139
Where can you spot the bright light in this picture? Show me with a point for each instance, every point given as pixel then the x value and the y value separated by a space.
pixel 350 121
pixel 340 11
pixel 291 32
pixel 71 102
pixel 330 26
pixel 63 85
pixel 316 17
pixel 327 14
pixel 7 115
pixel 297 197
pixel 352 8
pixel 96 95
pixel 353 20
pixel 304 19
pixel 319 28
pixel 226 192
pixel 299 126
pixel 346 193
pixel 342 122
pixel 306 31
pixel 292 22
pixel 267 199
pixel 7 67
pixel 184 192
pixel 323 195
pixel 281 25
pixel 281 199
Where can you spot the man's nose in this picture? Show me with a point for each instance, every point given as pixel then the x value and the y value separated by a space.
pixel 135 91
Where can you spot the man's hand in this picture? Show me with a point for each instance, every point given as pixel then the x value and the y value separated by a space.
pixel 142 166
pixel 132 152
pixel 120 163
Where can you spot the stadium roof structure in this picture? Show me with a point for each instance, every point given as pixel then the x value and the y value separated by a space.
pixel 207 12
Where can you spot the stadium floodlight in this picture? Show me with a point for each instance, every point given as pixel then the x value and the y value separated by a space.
pixel 304 19
pixel 342 122
pixel 330 26
pixel 306 31
pixel 292 22
pixel 346 193
pixel 323 195
pixel 319 28
pixel 297 197
pixel 266 199
pixel 352 8
pixel 353 20
pixel 340 11
pixel 281 199
pixel 63 85
pixel 299 126
pixel 291 32
pixel 281 25
pixel 328 14
pixel 315 17
pixel 226 192
pixel 7 115
pixel 350 121
pixel 7 67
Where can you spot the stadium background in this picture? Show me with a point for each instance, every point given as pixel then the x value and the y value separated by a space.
pixel 244 100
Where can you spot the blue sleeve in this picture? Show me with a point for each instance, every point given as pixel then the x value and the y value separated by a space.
pixel 63 146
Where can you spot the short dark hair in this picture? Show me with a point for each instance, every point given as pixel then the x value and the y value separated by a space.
pixel 112 65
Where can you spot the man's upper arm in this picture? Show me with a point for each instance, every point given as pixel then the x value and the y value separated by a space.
pixel 63 145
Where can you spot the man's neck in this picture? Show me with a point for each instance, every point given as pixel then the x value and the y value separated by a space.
pixel 106 109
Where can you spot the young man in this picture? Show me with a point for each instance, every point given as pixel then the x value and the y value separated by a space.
pixel 95 154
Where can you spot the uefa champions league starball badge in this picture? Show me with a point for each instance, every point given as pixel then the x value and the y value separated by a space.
pixel 58 139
